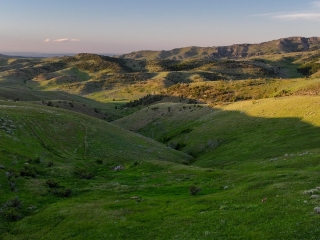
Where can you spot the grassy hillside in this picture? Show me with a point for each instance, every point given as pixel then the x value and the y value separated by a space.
pixel 59 177
pixel 257 129
pixel 49 133
pixel 75 152
pixel 60 99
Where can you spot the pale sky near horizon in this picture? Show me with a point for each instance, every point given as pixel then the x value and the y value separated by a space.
pixel 122 26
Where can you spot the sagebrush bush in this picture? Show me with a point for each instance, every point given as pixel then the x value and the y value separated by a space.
pixel 12 174
pixel 16 203
pixel 62 192
pixel 52 183
pixel 37 160
pixel 28 171
pixel 194 190
pixel 11 210
pixel 12 215
pixel 84 173
pixel 99 161
pixel 50 164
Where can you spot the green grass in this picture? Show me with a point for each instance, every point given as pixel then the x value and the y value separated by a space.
pixel 150 197
pixel 255 130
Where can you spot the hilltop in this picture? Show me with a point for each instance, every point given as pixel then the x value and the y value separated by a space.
pixel 283 45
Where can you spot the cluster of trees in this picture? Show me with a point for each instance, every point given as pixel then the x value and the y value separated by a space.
pixel 176 65
pixel 309 68
pixel 223 91
pixel 94 63
pixel 124 77
pixel 146 100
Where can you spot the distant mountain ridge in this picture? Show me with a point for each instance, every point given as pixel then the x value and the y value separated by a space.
pixel 283 45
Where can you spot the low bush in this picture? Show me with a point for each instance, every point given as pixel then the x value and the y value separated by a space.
pixel 52 183
pixel 12 215
pixel 11 210
pixel 28 171
pixel 12 174
pixel 194 190
pixel 84 173
pixel 50 164
pixel 62 192
pixel 99 161
pixel 36 160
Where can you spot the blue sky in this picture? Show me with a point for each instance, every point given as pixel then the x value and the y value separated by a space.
pixel 121 26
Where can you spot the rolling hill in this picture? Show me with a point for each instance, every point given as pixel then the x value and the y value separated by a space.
pixel 58 165
pixel 283 45
pixel 191 144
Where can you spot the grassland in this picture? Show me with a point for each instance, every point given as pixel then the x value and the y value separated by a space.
pixel 244 130
pixel 150 196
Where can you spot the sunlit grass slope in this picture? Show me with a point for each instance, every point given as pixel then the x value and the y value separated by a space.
pixel 40 143
pixel 61 168
pixel 245 131
pixel 64 133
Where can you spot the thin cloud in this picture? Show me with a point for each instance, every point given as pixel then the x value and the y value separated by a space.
pixel 47 40
pixel 292 16
pixel 311 15
pixel 66 40
pixel 298 16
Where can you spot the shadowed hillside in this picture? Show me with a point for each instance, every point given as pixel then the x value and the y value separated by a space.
pixel 216 136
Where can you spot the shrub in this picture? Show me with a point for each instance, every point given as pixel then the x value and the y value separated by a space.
pixel 50 164
pixel 10 210
pixel 136 163
pixel 185 162
pixel 309 68
pixel 62 192
pixel 52 183
pixel 12 185
pixel 12 174
pixel 37 160
pixel 99 161
pixel 12 215
pixel 15 203
pixel 194 190
pixel 176 146
pixel 28 171
pixel 84 173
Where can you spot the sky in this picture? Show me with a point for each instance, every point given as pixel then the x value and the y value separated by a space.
pixel 123 26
